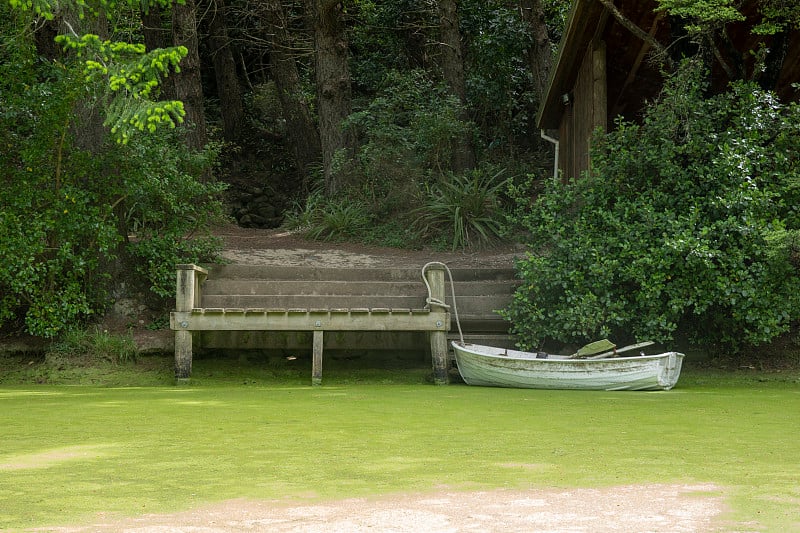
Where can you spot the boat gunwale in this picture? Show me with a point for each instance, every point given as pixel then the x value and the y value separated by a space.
pixel 554 358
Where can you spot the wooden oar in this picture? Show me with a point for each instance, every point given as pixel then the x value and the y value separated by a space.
pixel 593 348
pixel 617 351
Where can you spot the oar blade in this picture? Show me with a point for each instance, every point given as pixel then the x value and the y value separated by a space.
pixel 595 347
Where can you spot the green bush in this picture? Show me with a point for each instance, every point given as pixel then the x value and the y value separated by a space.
pixel 339 219
pixel 397 190
pixel 166 206
pixel 688 224
pixel 55 230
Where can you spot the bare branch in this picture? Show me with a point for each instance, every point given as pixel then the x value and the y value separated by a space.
pixel 660 50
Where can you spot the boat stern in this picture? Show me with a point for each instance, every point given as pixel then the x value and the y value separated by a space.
pixel 670 370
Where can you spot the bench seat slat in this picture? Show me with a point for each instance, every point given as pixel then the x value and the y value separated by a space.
pixel 238 320
pixel 343 310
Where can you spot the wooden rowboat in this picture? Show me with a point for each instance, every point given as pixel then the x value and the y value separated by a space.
pixel 498 367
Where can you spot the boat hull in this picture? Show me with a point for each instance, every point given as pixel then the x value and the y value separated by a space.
pixel 497 367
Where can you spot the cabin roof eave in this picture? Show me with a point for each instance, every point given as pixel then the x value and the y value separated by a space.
pixel 580 30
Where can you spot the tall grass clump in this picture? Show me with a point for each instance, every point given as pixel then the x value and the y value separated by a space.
pixel 93 345
pixel 463 211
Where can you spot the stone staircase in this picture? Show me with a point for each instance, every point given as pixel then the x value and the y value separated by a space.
pixel 479 293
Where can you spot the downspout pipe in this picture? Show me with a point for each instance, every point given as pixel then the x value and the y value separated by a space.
pixel 555 142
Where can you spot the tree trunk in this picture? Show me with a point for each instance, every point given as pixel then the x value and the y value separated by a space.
pixel 154 29
pixel 540 54
pixel 188 84
pixel 156 32
pixel 453 70
pixel 228 91
pixel 332 80
pixel 302 133
pixel 87 121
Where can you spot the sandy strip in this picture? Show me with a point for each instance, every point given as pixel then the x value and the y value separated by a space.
pixel 630 508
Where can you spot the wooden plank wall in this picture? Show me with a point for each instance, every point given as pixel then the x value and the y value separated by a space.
pixel 587 110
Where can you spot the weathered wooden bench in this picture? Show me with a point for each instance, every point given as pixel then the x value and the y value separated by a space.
pixel 430 314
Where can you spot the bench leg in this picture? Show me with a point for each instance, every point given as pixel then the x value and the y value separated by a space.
pixel 439 357
pixel 183 355
pixel 316 364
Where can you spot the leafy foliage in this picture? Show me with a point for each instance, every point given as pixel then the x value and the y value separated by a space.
pixel 689 223
pixel 165 207
pixel 70 197
pixel 129 77
pixel 463 211
pixel 399 191
pixel 337 219
pixel 48 9
pixel 411 127
pixel 499 83
pixel 54 232
pixel 709 15
pixel 383 39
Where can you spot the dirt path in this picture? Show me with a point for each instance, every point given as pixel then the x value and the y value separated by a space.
pixel 280 247
pixel 632 508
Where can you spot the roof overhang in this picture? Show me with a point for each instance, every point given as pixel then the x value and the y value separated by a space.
pixel 584 20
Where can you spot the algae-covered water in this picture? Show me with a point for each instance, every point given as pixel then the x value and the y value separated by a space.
pixel 68 453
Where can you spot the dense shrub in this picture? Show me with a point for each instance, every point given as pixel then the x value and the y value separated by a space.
pixel 689 223
pixel 325 219
pixel 499 83
pixel 165 207
pixel 406 133
pixel 72 194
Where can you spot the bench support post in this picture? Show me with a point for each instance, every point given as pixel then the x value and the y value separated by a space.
pixel 316 363
pixel 183 355
pixel 187 296
pixel 438 339
pixel 439 356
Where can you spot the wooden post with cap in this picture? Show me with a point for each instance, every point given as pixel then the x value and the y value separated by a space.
pixel 187 297
pixel 434 274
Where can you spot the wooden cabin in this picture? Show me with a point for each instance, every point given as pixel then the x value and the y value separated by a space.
pixel 604 70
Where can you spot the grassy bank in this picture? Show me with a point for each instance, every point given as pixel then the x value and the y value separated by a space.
pixel 68 453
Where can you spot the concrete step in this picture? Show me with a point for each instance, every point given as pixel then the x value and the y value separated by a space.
pixel 479 293
pixel 352 288
pixel 479 305
pixel 268 273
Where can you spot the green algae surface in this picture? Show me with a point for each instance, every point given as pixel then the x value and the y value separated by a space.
pixel 69 454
